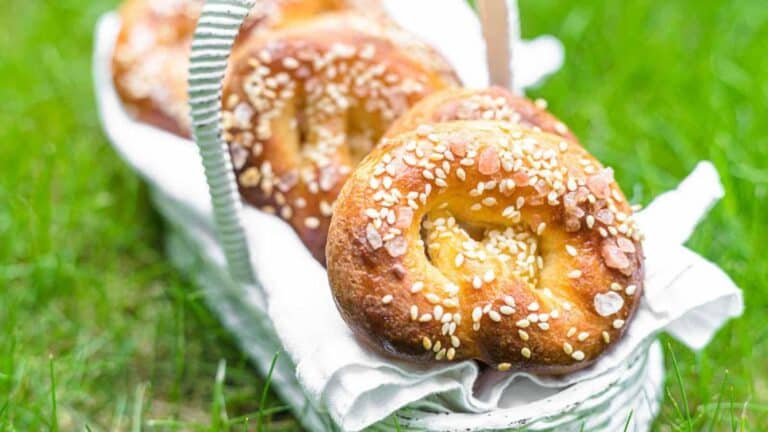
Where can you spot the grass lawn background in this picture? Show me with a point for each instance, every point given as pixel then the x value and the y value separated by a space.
pixel 98 331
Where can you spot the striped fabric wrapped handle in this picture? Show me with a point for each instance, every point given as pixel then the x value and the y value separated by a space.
pixel 216 31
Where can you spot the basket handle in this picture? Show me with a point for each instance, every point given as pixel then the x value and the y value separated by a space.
pixel 217 28
pixel 501 30
pixel 216 31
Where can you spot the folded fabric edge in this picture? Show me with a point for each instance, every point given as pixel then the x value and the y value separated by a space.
pixel 683 207
pixel 698 326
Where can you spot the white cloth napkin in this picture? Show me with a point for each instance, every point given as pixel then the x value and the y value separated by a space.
pixel 684 294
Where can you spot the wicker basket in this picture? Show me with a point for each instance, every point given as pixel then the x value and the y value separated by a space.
pixel 601 403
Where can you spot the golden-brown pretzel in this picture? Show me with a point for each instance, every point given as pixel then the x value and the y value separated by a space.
pixel 304 104
pixel 487 240
pixel 151 55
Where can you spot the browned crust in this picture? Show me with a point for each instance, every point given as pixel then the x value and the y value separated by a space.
pixel 302 134
pixel 151 54
pixel 362 276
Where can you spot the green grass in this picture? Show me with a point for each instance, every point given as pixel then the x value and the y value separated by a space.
pixel 98 332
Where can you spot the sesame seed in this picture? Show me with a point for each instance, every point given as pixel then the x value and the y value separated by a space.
pixel 567 348
pixel 451 353
pixel 459 260
pixel 571 332
pixel 438 312
pixel 426 343
pixel 503 367
pixel 312 222
pixel 477 283
pixel 450 302
pixel 606 337
pixel 417 286
pixel 455 341
pixel 631 289
pixel 617 324
pixel 509 301
pixel 440 354
pixel 526 352
pixel 544 326
pixel 533 307
pixel 590 221
pixel 414 312
pixel 489 276
pixel 494 316
pixel 387 299
pixel 574 274
pixel 578 355
pixel 437 346
pixel 425 318
pixel 451 288
pixel 489 201
pixel 477 313
pixel 523 323
pixel 583 336
pixel 523 335
pixel 571 250
pixel 290 63
pixel 432 298
pixel 616 286
pixel 506 310
pixel 540 229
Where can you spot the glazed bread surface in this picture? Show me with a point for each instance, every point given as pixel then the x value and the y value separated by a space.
pixel 303 105
pixel 466 237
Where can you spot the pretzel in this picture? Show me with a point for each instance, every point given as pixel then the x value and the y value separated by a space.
pixel 151 55
pixel 304 104
pixel 468 237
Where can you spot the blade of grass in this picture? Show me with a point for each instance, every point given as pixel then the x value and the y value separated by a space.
pixel 396 422
pixel 743 426
pixel 218 406
pixel 138 408
pixel 264 392
pixel 679 379
pixel 733 419
pixel 629 419
pixel 54 413
pixel 719 400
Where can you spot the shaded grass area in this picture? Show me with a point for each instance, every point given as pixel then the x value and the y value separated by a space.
pixel 88 301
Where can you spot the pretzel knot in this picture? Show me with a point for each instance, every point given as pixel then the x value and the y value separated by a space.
pixel 497 240
pixel 305 104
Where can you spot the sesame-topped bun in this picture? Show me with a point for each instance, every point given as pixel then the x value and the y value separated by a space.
pixel 151 55
pixel 305 103
pixel 467 237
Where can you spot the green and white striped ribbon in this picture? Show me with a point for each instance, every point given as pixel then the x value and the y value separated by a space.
pixel 216 31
